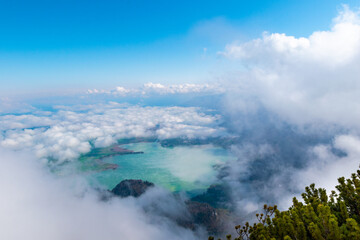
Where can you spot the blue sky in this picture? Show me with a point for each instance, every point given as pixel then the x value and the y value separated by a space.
pixel 48 46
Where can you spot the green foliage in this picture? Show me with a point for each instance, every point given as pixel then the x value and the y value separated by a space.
pixel 319 216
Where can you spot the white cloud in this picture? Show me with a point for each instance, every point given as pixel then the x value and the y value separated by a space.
pixel 8 104
pixel 66 134
pixel 181 88
pixel 157 88
pixel 36 205
pixel 305 90
pixel 326 167
pixel 303 80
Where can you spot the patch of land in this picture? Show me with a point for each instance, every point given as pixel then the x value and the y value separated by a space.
pixel 92 161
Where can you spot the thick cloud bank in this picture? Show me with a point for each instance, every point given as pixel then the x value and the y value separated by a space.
pixel 304 80
pixel 295 103
pixel 35 205
pixel 70 131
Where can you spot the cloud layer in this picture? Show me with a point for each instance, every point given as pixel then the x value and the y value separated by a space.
pixel 69 132
pixel 160 89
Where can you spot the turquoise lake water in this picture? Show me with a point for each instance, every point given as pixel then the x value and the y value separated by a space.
pixel 181 168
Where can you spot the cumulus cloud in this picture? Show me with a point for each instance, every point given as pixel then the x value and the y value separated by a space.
pixel 304 80
pixel 71 131
pixel 295 103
